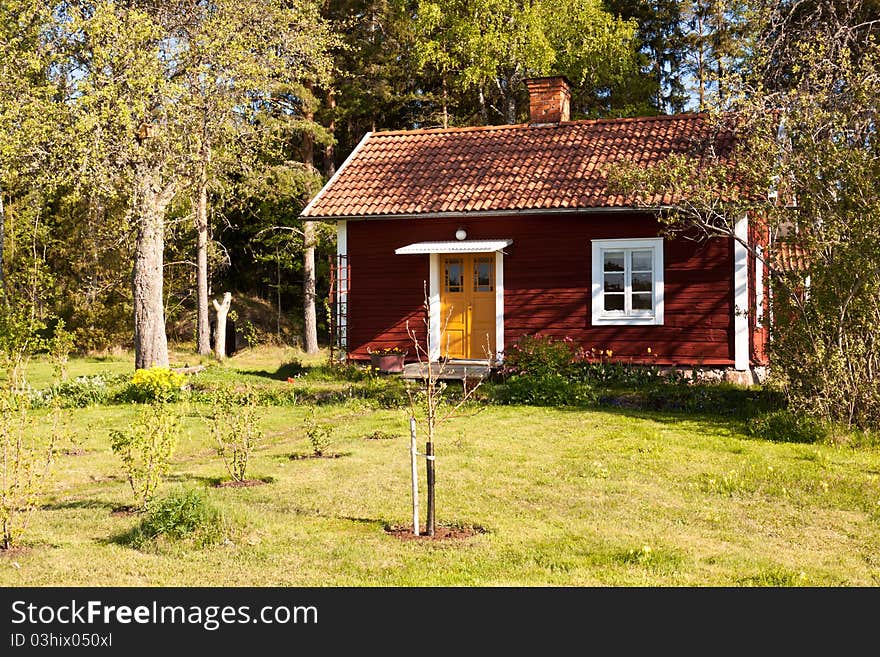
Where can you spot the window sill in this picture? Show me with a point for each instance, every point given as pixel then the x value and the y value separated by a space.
pixel 627 321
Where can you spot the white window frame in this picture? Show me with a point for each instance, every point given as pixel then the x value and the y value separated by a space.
pixel 602 317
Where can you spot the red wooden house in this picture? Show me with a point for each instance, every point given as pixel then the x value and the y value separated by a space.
pixel 511 230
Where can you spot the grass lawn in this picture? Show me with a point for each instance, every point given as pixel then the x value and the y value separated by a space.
pixel 564 497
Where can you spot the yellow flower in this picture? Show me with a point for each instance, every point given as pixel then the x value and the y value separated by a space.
pixel 609 353
pixel 649 350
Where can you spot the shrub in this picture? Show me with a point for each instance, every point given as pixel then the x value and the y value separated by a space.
pixel 84 391
pixel 546 390
pixel 157 384
pixel 785 426
pixel 182 514
pixel 25 466
pixel 146 449
pixel 234 425
pixel 59 348
pixel 539 356
pixel 318 434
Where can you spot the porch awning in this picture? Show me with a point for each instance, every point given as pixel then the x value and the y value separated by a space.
pixel 458 246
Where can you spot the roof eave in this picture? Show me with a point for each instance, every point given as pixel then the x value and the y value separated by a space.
pixel 494 213
pixel 351 156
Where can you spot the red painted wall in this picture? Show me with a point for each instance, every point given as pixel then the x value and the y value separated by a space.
pixel 547 282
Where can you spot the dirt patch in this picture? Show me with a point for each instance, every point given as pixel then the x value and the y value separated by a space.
pixel 124 510
pixel 380 435
pixel 244 483
pixel 441 532
pixel 14 551
pixel 329 455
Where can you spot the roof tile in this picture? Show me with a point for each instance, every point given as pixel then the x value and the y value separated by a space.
pixel 496 168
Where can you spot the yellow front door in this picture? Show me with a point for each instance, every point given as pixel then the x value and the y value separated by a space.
pixel 467 302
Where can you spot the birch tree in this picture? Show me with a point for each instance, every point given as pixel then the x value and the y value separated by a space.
pixel 240 59
pixel 806 169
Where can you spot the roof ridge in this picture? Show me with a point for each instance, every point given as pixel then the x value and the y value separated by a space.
pixel 537 126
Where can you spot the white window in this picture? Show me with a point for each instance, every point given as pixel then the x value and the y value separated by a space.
pixel 628 281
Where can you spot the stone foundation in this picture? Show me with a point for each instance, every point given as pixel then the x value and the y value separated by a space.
pixel 752 376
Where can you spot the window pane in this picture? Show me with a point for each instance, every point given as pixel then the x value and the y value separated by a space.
pixel 642 260
pixel 613 302
pixel 483 275
pixel 454 275
pixel 613 260
pixel 614 282
pixel 641 301
pixel 641 282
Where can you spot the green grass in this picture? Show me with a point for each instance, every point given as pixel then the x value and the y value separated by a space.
pixel 567 497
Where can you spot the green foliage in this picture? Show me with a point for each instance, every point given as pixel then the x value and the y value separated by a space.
pixel 538 356
pixel 85 391
pixel 717 399
pixel 545 390
pixel 807 135
pixel 788 427
pixel 319 434
pixel 59 348
pixel 235 426
pixel 492 46
pixel 25 466
pixel 156 384
pixel 20 338
pixel 146 449
pixel 181 515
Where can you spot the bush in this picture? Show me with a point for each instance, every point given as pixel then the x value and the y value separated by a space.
pixel 25 466
pixel 785 426
pixel 157 384
pixel 85 391
pixel 146 449
pixel 235 427
pixel 546 390
pixel 319 435
pixel 182 514
pixel 539 356
pixel 712 398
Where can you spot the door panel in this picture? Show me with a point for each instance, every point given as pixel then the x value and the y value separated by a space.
pixel 482 305
pixel 453 307
pixel 467 302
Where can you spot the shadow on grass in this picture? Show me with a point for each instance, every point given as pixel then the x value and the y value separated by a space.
pixel 79 504
pixel 284 372
pixel 187 478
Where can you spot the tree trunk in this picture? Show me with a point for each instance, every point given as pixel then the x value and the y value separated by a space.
pixel 510 106
pixel 220 332
pixel 2 250
pixel 445 103
pixel 310 320
pixel 203 328
pixel 150 341
pixel 329 152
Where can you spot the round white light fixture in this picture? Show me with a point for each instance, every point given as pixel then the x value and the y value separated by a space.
pixel 461 234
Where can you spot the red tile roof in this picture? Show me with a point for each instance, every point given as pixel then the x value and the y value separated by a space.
pixel 789 257
pixel 503 168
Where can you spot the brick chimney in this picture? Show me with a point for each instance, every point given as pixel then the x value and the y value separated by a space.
pixel 549 99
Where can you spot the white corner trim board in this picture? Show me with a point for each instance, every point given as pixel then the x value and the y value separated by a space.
pixel 499 306
pixel 434 308
pixel 342 281
pixel 741 294
pixel 759 287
